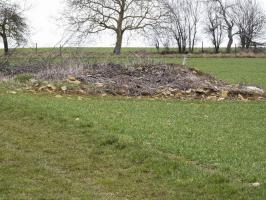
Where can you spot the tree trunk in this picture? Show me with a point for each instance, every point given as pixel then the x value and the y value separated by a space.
pixel 243 40
pixel 229 45
pixel 179 47
pixel 118 45
pixel 189 39
pixel 119 29
pixel 216 48
pixel 230 41
pixel 6 49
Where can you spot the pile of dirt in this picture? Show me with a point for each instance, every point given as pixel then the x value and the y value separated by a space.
pixel 148 80
pixel 161 80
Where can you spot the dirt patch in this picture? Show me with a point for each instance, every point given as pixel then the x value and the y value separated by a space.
pixel 159 80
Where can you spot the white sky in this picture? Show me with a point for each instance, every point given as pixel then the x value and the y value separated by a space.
pixel 46 30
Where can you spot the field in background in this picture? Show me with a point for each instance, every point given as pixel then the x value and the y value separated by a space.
pixel 207 50
pixel 235 70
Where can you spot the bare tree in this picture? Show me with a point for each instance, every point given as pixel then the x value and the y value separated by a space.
pixel 13 25
pixel 192 10
pixel 119 16
pixel 226 10
pixel 250 20
pixel 214 25
pixel 182 22
pixel 154 35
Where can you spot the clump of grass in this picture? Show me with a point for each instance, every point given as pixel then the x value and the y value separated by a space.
pixel 110 140
pixel 3 78
pixel 23 78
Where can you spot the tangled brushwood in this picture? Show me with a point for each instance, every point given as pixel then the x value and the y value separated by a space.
pixel 151 80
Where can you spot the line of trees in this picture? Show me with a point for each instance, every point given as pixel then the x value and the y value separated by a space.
pixel 244 20
pixel 164 22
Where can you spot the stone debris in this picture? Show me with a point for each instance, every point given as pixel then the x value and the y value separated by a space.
pixel 255 184
pixel 150 80
pixel 64 88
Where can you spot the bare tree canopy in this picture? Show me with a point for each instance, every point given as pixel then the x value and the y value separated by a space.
pixel 182 22
pixel 250 21
pixel 13 25
pixel 214 25
pixel 242 18
pixel 225 9
pixel 93 16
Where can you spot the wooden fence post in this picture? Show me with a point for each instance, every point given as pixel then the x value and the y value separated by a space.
pixel 36 48
pixel 60 50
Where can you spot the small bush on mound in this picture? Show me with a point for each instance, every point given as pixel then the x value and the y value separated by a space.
pixel 23 78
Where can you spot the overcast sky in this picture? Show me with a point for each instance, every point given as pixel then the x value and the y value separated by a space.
pixel 42 17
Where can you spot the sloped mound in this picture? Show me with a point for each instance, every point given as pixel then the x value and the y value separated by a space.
pixel 148 80
pixel 161 80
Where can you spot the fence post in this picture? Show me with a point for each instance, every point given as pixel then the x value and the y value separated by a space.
pixel 60 50
pixel 202 48
pixel 36 48
pixel 235 50
pixel 184 61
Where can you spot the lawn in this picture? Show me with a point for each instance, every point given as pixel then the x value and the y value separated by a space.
pixel 110 148
pixel 234 70
pixel 118 148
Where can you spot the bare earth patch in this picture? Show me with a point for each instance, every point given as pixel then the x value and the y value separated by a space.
pixel 156 80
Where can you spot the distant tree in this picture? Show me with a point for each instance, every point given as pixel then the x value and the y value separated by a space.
pixel 157 35
pixel 13 25
pixel 226 11
pixel 181 21
pixel 214 25
pixel 250 20
pixel 119 16
pixel 154 37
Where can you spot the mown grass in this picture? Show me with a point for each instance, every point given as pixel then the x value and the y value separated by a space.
pixel 111 148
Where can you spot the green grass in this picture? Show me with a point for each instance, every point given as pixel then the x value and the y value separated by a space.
pixel 130 149
pixel 135 149
pixel 234 70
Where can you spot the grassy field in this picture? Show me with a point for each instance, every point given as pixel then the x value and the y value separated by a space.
pixel 117 148
pixel 235 70
pixel 109 148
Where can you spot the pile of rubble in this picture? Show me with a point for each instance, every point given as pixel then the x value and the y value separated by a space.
pixel 174 81
pixel 160 80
